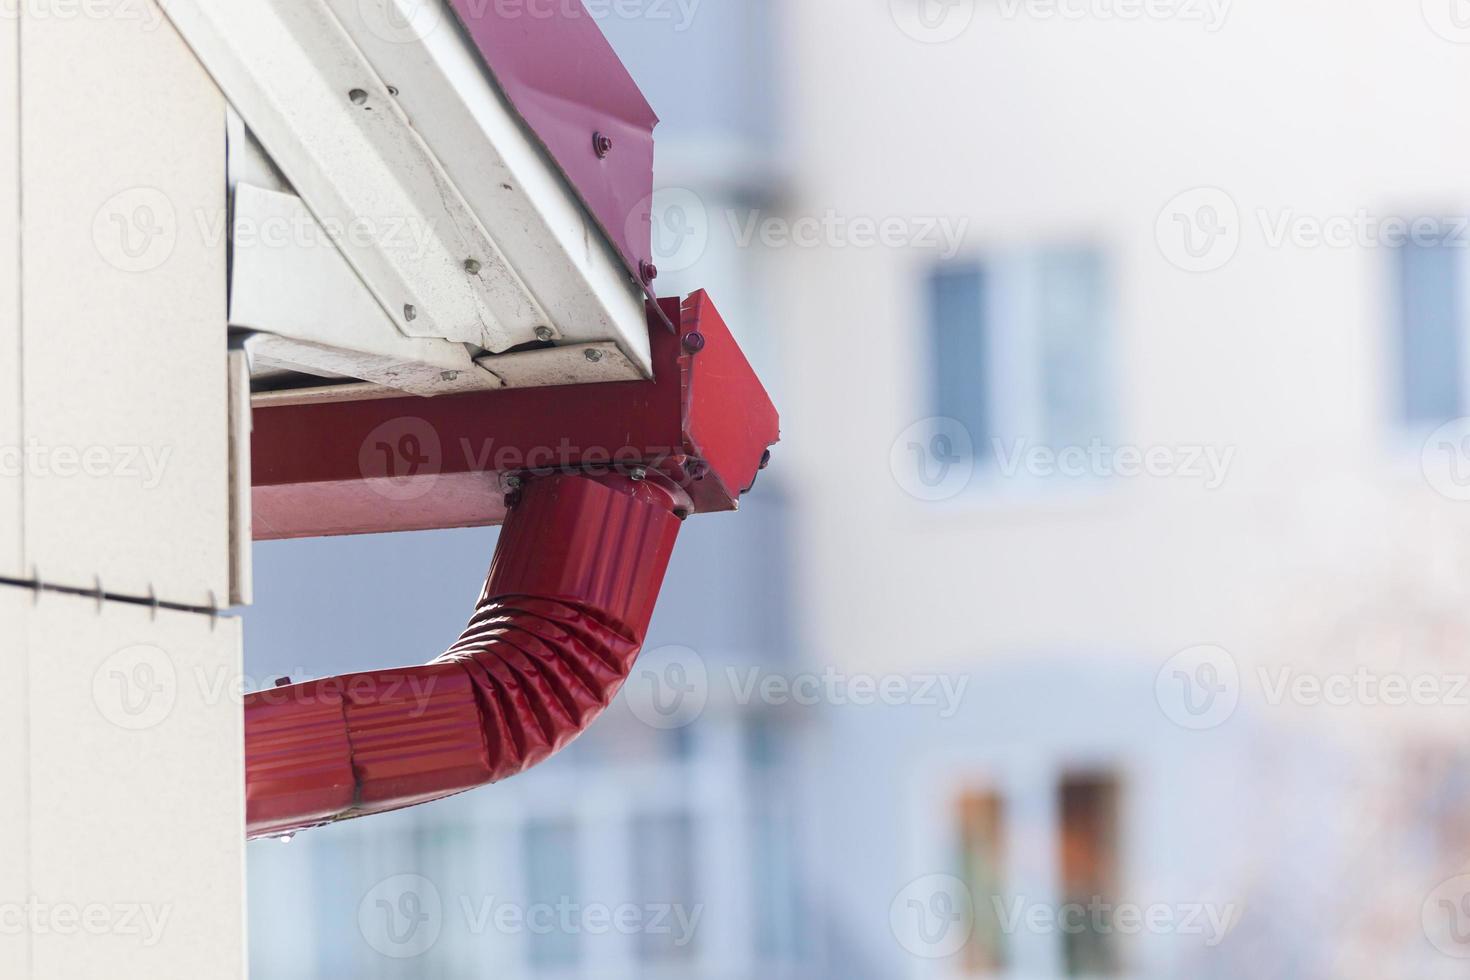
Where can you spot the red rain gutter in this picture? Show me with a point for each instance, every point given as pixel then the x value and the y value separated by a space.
pixel 571 590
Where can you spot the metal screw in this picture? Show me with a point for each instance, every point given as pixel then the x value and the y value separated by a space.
pixel 449 376
pixel 594 355
pixel 472 267
pixel 393 91
pixel 544 334
pixel 639 474
pixel 648 271
pixel 410 313
pixel 358 96
pixel 694 342
pixel 696 469
pixel 514 482
pixel 601 145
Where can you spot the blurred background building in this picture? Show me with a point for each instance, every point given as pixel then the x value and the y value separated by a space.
pixel 1103 613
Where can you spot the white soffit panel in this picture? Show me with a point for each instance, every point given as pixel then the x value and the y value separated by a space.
pixel 289 278
pixel 142 811
pixel 12 558
pixel 124 292
pixel 331 126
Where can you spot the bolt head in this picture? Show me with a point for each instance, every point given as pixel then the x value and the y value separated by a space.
pixel 601 145
pixel 648 270
pixel 410 312
pixel 544 334
pixel 594 355
pixel 694 342
pixel 639 474
pixel 472 267
pixel 358 96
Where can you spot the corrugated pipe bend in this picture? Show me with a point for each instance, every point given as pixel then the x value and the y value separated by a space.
pixel 562 617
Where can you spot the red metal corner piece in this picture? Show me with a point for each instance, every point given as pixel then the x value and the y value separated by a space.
pixel 401 464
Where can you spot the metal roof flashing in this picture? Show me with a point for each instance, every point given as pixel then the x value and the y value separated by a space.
pixel 560 73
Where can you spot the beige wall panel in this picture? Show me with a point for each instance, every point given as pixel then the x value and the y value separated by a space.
pixel 15 883
pixel 137 796
pixel 124 306
pixel 12 560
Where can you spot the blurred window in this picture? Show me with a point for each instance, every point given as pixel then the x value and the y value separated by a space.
pixel 1021 349
pixel 551 885
pixel 663 859
pixel 1432 327
pixel 982 844
pixel 1088 833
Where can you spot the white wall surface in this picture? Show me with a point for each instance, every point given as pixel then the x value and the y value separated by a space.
pixel 123 138
pixel 121 742
pixel 11 560
pixel 122 797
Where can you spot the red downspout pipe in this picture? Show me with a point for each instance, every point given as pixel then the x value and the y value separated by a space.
pixel 562 617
